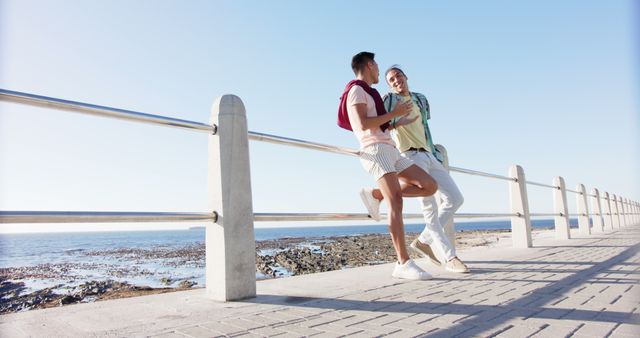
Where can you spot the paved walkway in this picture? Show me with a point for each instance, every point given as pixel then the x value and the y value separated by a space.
pixel 583 287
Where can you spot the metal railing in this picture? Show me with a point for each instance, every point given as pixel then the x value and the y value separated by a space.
pixel 91 109
pixel 236 212
pixel 104 111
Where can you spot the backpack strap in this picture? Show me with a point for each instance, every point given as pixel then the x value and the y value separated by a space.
pixel 389 104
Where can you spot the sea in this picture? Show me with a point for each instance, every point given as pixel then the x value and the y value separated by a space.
pixel 69 254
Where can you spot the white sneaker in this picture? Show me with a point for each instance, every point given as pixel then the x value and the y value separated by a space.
pixel 409 270
pixel 372 204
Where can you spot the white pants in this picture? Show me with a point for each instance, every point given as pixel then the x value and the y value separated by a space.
pixel 451 200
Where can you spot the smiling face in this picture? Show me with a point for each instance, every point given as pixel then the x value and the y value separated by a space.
pixel 397 81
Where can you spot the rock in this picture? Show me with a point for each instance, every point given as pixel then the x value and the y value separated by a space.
pixel 69 299
pixel 186 284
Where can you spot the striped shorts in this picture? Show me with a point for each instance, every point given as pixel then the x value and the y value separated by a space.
pixel 380 159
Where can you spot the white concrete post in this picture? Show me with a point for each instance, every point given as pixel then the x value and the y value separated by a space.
pixel 614 211
pixel 449 228
pixel 561 209
pixel 608 214
pixel 230 242
pixel 583 210
pixel 628 211
pixel 521 224
pixel 621 212
pixel 596 206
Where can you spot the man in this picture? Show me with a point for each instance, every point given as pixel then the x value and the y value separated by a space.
pixel 361 110
pixel 414 142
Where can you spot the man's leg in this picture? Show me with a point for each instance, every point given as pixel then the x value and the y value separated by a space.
pixel 415 183
pixel 433 233
pixel 451 201
pixel 392 193
pixel 448 192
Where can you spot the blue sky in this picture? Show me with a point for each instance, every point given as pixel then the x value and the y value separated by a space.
pixel 551 86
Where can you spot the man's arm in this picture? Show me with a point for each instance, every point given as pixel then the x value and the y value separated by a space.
pixel 365 122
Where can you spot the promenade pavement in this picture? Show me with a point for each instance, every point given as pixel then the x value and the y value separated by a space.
pixel 584 287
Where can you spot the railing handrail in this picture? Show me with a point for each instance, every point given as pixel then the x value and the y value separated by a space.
pixel 256 136
pixel 480 173
pixel 104 111
pixel 17 217
pixel 102 216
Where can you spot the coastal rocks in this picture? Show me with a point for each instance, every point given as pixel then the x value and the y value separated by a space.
pixel 327 255
pixel 9 289
pixel 50 297
pixel 166 281
pixel 187 284
pixel 29 301
pixel 44 271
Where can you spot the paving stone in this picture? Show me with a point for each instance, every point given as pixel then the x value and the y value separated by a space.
pixel 197 331
pixel 299 330
pixel 596 329
pixel 169 335
pixel 518 331
pixel 268 332
pixel 338 329
pixel 627 329
pixel 379 329
pixel 223 328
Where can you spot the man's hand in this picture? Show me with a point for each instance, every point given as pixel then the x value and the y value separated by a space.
pixel 402 109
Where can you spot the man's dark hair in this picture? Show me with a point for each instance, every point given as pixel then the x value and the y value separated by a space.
pixel 360 60
pixel 396 68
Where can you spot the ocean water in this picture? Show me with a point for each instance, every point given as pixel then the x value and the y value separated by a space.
pixel 68 251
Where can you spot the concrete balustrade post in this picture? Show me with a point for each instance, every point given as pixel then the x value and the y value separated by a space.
pixel 449 228
pixel 583 210
pixel 621 212
pixel 521 224
pixel 608 218
pixel 561 209
pixel 596 206
pixel 615 213
pixel 629 211
pixel 230 241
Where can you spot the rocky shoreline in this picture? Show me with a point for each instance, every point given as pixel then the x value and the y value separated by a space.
pixel 274 258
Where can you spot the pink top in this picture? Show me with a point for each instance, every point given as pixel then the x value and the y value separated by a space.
pixel 366 137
